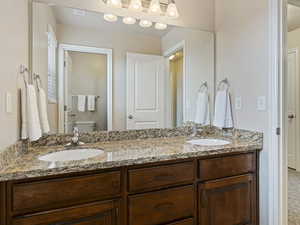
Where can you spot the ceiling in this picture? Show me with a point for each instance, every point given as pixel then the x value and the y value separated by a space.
pixel 94 20
pixel 293 17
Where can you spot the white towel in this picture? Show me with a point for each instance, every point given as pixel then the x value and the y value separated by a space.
pixel 202 109
pixel 43 111
pixel 223 113
pixel 91 99
pixel 81 102
pixel 33 120
pixel 24 128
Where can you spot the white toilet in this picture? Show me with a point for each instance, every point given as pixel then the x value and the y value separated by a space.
pixel 85 126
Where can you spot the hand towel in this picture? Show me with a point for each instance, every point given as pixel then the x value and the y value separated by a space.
pixel 33 120
pixel 43 111
pixel 202 109
pixel 24 122
pixel 81 101
pixel 223 113
pixel 91 99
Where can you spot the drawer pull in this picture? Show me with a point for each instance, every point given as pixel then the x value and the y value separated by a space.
pixel 166 205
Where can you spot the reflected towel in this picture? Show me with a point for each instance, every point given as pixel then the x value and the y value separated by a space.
pixel 81 102
pixel 91 99
pixel 202 109
pixel 43 111
pixel 223 112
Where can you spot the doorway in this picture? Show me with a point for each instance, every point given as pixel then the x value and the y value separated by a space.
pixel 88 106
pixel 176 88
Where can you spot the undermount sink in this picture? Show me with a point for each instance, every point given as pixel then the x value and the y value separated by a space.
pixel 208 142
pixel 70 155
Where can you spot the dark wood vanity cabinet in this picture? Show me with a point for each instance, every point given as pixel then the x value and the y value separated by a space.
pixel 213 190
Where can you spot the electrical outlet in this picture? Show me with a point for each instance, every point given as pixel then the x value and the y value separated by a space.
pixel 238 103
pixel 8 102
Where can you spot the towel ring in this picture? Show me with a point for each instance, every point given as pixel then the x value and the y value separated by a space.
pixel 202 86
pixel 25 71
pixel 38 80
pixel 223 82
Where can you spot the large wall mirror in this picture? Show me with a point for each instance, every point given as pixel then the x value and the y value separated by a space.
pixel 102 72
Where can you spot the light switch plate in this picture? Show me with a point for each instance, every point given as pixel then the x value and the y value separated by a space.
pixel 261 103
pixel 238 103
pixel 8 102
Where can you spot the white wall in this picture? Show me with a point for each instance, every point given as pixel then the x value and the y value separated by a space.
pixel 14 51
pixel 120 43
pixel 199 62
pixel 242 56
pixel 42 17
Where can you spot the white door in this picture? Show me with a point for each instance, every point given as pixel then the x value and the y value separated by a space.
pixel 145 88
pixel 292 107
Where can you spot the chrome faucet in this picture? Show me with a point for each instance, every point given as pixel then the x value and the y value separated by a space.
pixel 75 139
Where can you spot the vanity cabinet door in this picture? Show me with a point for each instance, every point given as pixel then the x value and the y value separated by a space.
pixel 103 213
pixel 230 201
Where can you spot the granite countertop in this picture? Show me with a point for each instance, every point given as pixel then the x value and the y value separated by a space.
pixel 125 153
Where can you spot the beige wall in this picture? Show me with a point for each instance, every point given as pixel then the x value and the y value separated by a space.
pixel 294 39
pixel 89 77
pixel 242 57
pixel 199 62
pixel 14 51
pixel 42 17
pixel 120 43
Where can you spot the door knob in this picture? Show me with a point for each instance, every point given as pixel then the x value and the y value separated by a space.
pixel 130 117
pixel 291 116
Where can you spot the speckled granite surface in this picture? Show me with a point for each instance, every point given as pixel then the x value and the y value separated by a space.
pixel 130 151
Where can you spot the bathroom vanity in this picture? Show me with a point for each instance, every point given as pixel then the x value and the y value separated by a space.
pixel 137 182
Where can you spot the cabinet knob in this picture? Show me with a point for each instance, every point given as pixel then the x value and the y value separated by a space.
pixel 130 117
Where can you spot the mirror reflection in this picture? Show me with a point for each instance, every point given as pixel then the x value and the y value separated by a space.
pixel 103 73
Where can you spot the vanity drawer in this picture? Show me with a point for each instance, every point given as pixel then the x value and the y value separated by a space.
pixel 56 193
pixel 161 207
pixel 160 176
pixel 210 169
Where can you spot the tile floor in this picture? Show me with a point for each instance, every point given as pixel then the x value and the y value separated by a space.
pixel 294 197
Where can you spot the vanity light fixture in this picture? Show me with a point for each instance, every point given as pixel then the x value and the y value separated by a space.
pixel 161 26
pixel 129 20
pixel 171 57
pixel 136 5
pixel 154 7
pixel 172 11
pixel 145 23
pixel 110 17
pixel 114 3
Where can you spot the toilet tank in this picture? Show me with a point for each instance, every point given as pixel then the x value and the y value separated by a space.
pixel 85 126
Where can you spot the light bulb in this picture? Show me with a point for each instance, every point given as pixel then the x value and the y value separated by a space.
pixel 129 20
pixel 145 23
pixel 155 7
pixel 114 3
pixel 110 17
pixel 160 26
pixel 136 5
pixel 172 11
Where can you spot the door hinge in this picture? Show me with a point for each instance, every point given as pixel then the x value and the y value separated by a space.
pixel 278 131
pixel 65 108
pixel 65 63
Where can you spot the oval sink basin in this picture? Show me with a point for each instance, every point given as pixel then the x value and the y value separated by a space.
pixel 70 155
pixel 208 142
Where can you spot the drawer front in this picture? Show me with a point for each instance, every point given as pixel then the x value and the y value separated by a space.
pixel 183 222
pixel 90 214
pixel 215 168
pixel 160 176
pixel 56 193
pixel 162 206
